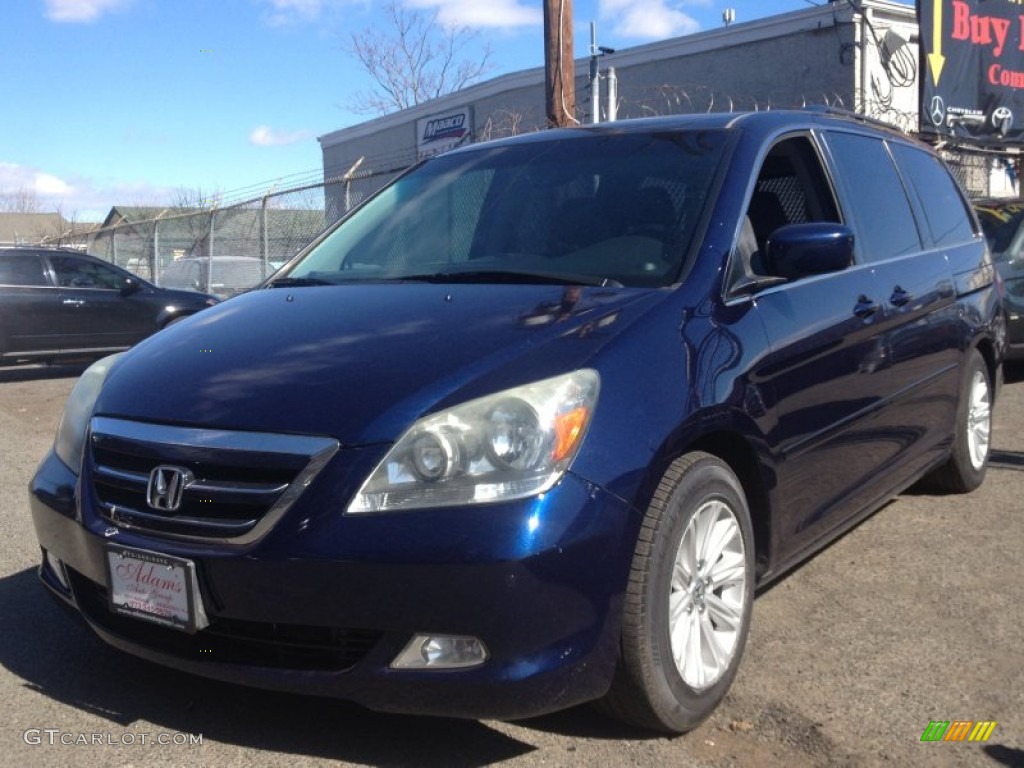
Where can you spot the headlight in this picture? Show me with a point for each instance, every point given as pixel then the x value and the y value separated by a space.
pixel 510 445
pixel 74 422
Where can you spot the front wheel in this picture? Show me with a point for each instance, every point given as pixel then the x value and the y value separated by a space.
pixel 688 602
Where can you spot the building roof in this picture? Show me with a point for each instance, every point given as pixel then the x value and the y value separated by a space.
pixel 33 228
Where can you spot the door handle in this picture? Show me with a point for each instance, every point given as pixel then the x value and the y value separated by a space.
pixel 73 303
pixel 899 297
pixel 865 307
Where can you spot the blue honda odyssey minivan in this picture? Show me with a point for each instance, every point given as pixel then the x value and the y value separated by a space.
pixel 530 426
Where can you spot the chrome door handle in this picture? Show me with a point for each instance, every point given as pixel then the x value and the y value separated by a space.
pixel 899 297
pixel 865 307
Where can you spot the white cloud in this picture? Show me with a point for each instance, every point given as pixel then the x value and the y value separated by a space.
pixel 647 19
pixel 49 186
pixel 45 185
pixel 81 11
pixel 86 199
pixel 265 136
pixel 284 12
pixel 494 14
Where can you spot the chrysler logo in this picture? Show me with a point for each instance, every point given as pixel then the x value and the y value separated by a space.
pixel 166 486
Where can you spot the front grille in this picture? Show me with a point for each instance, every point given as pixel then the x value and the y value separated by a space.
pixel 239 483
pixel 231 641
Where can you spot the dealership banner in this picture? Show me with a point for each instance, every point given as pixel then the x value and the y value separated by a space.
pixel 972 60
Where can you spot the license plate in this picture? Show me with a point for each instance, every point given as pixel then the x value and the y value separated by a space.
pixel 154 587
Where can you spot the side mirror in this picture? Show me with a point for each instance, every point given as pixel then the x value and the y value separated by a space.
pixel 130 286
pixel 795 251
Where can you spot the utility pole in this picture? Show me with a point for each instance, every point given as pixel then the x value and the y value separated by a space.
pixel 559 70
pixel 595 77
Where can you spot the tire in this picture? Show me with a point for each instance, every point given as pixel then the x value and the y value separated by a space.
pixel 663 681
pixel 968 461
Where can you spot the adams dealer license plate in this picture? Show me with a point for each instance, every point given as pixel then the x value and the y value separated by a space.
pixel 155 587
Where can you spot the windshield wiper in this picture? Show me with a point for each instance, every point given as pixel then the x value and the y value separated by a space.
pixel 511 276
pixel 288 282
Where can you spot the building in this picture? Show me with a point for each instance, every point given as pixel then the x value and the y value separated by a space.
pixel 860 56
pixel 41 229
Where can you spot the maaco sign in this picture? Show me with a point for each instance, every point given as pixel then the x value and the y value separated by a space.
pixel 972 54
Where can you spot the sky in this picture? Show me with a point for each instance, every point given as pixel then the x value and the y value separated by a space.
pixel 125 102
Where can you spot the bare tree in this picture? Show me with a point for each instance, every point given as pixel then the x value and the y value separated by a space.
pixel 63 231
pixel 202 203
pixel 20 200
pixel 416 59
pixel 506 122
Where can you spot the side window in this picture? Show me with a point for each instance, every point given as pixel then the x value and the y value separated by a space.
pixel 22 269
pixel 791 188
pixel 72 272
pixel 945 209
pixel 883 219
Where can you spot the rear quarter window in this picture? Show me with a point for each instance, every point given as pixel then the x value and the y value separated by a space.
pixel 945 210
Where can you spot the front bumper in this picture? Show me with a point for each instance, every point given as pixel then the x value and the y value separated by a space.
pixel 539 581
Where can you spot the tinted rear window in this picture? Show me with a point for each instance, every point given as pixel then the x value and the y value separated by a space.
pixel 21 269
pixel 945 210
pixel 876 197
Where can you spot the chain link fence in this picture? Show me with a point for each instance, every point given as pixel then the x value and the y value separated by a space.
pixel 984 174
pixel 226 249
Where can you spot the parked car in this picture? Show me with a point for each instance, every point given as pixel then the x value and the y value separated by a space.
pixel 231 274
pixel 58 304
pixel 529 427
pixel 1002 220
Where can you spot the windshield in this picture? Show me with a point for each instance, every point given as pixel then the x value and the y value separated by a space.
pixel 591 209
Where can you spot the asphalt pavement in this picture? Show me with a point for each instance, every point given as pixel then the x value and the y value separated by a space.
pixel 915 616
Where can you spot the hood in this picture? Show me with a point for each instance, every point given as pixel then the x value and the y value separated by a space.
pixel 360 362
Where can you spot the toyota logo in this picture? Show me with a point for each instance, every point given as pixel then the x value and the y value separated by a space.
pixel 1002 119
pixel 938 111
pixel 166 487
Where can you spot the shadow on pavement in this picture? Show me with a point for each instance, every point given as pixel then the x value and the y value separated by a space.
pixel 59 657
pixel 40 372
pixel 1005 755
pixel 1013 372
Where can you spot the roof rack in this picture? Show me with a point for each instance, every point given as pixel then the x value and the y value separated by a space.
pixel 825 109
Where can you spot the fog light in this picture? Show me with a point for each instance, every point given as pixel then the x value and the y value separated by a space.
pixel 441 652
pixel 57 569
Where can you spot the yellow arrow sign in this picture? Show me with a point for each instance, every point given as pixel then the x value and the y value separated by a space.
pixel 936 61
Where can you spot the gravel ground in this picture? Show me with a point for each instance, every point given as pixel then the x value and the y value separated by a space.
pixel 915 615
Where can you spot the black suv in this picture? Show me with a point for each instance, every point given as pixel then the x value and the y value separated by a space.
pixel 67 305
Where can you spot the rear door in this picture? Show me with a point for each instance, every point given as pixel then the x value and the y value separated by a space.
pixel 907 227
pixel 30 314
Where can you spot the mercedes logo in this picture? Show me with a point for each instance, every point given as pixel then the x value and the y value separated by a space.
pixel 938 111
